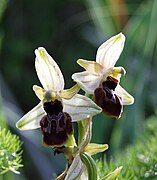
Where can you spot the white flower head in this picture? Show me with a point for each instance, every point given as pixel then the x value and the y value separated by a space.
pixel 103 71
pixel 55 102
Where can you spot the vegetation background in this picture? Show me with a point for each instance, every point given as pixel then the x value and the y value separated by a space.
pixel 70 30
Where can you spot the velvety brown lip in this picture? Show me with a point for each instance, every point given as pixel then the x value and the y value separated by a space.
pixel 107 99
pixel 56 125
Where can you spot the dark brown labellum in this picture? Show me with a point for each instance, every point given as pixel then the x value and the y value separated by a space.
pixel 56 125
pixel 53 107
pixel 107 99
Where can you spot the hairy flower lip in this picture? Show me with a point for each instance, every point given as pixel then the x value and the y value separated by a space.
pixel 56 129
pixel 78 106
pixel 97 72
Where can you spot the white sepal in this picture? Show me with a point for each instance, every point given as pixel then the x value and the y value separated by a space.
pixel 80 107
pixel 88 82
pixel 48 71
pixel 31 120
pixel 109 52
pixel 127 99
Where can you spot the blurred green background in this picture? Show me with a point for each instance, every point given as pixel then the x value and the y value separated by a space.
pixel 70 30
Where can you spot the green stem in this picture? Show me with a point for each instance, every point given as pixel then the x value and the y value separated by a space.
pixel 80 132
pixel 80 124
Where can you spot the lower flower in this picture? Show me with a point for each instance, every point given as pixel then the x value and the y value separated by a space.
pixel 56 126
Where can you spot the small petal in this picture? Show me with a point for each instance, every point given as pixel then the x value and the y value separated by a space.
pixel 69 93
pixel 127 99
pixel 87 81
pixel 91 66
pixel 109 52
pixel 80 107
pixel 39 92
pixel 31 120
pixel 48 71
pixel 118 71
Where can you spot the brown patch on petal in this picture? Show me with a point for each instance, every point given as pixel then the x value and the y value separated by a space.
pixel 107 99
pixel 56 125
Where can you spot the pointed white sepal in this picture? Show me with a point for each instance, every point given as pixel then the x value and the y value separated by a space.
pixel 80 107
pixel 108 53
pixel 31 120
pixel 48 71
pixel 127 99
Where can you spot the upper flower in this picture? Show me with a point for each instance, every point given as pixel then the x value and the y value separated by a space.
pixel 102 79
pixel 58 107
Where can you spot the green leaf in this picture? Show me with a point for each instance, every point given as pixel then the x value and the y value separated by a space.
pixel 91 166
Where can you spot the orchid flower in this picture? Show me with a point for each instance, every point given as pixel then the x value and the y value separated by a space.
pixel 58 108
pixel 102 79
